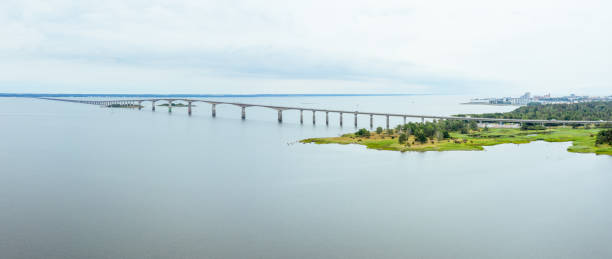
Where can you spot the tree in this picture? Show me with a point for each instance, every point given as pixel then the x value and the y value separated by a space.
pixel 390 131
pixel 363 133
pixel 379 130
pixel 420 136
pixel 445 134
pixel 604 137
pixel 403 138
pixel 429 129
pixel 473 126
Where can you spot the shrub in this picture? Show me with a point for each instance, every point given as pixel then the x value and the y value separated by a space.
pixel 420 136
pixel 604 137
pixel 445 134
pixel 363 133
pixel 379 130
pixel 473 126
pixel 402 138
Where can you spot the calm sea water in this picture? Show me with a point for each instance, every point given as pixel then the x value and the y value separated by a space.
pixel 80 181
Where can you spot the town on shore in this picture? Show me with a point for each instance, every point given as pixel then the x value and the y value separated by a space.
pixel 527 99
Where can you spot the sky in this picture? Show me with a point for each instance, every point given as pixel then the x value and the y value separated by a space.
pixel 318 46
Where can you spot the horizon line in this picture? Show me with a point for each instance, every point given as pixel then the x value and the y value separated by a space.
pixel 194 95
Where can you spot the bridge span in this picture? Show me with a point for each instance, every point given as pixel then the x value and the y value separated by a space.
pixel 280 110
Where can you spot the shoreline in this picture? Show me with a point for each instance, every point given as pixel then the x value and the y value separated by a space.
pixel 583 140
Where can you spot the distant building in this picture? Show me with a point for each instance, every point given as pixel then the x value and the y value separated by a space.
pixel 544 99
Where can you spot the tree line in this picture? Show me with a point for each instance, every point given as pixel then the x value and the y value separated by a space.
pixel 592 111
pixel 423 131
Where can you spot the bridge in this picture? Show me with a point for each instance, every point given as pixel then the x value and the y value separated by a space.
pixel 280 110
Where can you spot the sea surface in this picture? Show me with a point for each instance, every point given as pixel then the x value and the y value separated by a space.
pixel 82 181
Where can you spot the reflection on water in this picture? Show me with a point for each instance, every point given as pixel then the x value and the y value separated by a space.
pixel 79 181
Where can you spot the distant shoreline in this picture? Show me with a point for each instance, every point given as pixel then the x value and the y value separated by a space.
pixel 493 104
pixel 35 95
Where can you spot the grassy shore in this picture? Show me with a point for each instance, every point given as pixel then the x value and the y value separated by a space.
pixel 583 140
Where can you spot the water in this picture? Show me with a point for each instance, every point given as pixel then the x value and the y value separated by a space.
pixel 80 181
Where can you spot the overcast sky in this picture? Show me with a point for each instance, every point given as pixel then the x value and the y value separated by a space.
pixel 317 46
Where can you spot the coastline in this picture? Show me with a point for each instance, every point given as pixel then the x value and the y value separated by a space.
pixel 583 140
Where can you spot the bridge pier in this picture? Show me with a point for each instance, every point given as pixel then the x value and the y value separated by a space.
pixel 301 116
pixel 371 121
pixel 214 110
pixel 170 102
pixel 314 121
pixel 280 116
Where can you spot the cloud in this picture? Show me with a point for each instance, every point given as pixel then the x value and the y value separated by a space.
pixel 282 46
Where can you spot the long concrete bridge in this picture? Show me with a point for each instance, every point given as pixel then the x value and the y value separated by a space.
pixel 280 109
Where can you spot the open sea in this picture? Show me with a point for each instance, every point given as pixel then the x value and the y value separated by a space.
pixel 82 181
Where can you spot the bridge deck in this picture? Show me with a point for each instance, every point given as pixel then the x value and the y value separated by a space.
pixel 281 108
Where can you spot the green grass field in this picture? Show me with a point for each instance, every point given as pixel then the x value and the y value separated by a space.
pixel 583 140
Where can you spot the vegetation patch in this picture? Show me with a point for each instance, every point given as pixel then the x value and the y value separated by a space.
pixel 460 135
pixel 176 105
pixel 590 111
pixel 130 106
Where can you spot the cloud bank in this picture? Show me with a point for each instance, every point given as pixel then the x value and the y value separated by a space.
pixel 185 46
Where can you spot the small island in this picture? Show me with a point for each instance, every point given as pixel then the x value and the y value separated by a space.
pixel 447 135
pixel 584 140
pixel 180 105
pixel 128 106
